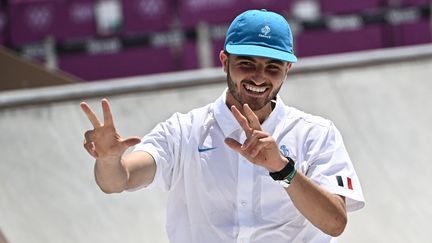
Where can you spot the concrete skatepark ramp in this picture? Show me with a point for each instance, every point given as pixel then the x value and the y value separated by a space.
pixel 383 110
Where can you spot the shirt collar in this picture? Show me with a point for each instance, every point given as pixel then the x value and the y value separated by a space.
pixel 229 124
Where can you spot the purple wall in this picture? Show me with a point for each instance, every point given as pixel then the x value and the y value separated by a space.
pixel 32 21
pixel 412 33
pixel 129 62
pixel 77 19
pixel 336 6
pixel 414 2
pixel 144 16
pixel 281 7
pixel 189 58
pixel 67 20
pixel 191 12
pixel 2 25
pixel 325 42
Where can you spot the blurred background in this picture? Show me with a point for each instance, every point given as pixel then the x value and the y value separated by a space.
pixel 364 64
pixel 103 39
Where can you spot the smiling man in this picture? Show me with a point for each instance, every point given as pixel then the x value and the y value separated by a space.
pixel 246 168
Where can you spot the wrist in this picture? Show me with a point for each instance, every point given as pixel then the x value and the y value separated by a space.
pixel 287 173
pixel 280 165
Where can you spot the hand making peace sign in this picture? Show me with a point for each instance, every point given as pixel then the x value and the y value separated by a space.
pixel 259 147
pixel 103 142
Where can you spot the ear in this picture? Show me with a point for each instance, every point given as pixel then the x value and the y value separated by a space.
pixel 289 65
pixel 224 60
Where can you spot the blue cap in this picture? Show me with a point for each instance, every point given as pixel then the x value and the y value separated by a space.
pixel 260 33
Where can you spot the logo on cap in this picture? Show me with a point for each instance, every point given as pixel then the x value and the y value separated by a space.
pixel 265 31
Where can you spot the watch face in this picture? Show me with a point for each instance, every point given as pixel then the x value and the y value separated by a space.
pixel 284 183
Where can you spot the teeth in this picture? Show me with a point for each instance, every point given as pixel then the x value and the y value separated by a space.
pixel 254 88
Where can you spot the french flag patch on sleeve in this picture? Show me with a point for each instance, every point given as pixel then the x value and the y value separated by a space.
pixel 344 181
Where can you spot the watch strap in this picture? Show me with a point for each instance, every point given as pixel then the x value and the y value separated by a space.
pixel 285 172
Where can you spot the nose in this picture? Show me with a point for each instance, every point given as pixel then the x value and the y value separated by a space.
pixel 259 75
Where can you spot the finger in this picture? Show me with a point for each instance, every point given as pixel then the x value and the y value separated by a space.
pixel 262 144
pixel 90 114
pixel 89 136
pixel 252 117
pixel 89 146
pixel 129 142
pixel 242 120
pixel 108 120
pixel 253 139
pixel 233 144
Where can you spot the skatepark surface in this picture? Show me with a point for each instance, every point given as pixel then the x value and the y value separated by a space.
pixel 384 112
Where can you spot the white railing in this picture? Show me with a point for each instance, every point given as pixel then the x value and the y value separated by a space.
pixel 201 77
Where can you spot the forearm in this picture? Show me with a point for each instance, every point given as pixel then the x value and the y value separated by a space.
pixel 141 169
pixel 323 209
pixel 110 174
pixel 130 171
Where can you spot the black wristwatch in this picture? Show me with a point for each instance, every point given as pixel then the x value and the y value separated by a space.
pixel 286 174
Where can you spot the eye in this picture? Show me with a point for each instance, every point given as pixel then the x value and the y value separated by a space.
pixel 246 65
pixel 273 68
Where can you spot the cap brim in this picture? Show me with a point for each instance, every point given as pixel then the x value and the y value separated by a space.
pixel 260 51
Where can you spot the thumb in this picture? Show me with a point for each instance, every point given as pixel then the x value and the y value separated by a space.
pixel 129 142
pixel 233 144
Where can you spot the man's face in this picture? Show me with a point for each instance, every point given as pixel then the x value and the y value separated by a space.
pixel 253 80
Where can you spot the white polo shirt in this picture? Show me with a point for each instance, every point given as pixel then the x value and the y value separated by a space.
pixel 216 195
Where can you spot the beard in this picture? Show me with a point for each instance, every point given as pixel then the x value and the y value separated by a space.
pixel 254 103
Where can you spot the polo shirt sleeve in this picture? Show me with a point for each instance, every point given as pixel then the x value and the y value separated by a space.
pixel 329 165
pixel 163 144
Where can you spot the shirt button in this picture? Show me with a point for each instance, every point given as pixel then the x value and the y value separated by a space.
pixel 243 203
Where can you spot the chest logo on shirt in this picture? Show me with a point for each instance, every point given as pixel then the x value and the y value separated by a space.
pixel 204 149
pixel 284 150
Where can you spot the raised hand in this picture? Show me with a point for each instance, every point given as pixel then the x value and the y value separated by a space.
pixel 259 147
pixel 103 142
